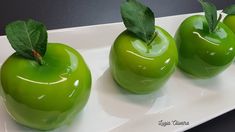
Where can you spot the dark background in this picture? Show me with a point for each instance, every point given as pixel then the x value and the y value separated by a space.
pixel 71 13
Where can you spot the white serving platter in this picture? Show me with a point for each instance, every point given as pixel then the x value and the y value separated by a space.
pixel 193 101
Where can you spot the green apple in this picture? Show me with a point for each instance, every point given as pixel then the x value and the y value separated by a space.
pixel 48 95
pixel 206 47
pixel 141 66
pixel 229 20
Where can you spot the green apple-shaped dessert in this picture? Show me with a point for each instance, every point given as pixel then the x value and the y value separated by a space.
pixel 229 19
pixel 144 56
pixel 206 46
pixel 44 84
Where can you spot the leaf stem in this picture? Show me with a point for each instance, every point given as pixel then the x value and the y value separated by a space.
pixel 38 57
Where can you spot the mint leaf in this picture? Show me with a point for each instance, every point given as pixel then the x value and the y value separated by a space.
pixel 210 14
pixel 27 38
pixel 138 19
pixel 230 10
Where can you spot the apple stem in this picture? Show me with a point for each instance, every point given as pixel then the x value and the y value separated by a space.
pixel 38 57
pixel 220 16
pixel 154 36
pixel 218 20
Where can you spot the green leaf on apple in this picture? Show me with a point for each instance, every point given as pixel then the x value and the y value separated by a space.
pixel 230 10
pixel 28 38
pixel 210 14
pixel 138 19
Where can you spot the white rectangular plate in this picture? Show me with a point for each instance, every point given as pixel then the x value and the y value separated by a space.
pixel 112 109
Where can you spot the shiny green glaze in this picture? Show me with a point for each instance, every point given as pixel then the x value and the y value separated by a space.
pixel 47 96
pixel 229 20
pixel 201 53
pixel 140 68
